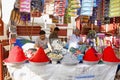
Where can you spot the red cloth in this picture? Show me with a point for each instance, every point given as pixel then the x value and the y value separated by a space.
pixel 109 55
pixel 15 55
pixel 90 55
pixel 39 56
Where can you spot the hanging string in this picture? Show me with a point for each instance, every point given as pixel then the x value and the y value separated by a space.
pixel 26 24
pixel 32 28
pixel 103 6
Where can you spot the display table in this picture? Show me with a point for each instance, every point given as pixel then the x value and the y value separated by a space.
pixel 63 72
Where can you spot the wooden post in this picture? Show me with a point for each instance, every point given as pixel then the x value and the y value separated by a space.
pixel 1 27
pixel 92 26
pixel 1 62
pixel 1 22
pixel 1 48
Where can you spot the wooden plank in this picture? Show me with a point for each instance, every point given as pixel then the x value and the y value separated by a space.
pixel 62 32
pixel 29 30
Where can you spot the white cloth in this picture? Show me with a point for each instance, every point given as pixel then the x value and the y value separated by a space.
pixel 73 42
pixel 27 46
pixel 63 72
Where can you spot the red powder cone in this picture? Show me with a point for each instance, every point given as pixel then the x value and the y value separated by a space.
pixel 15 55
pixel 109 55
pixel 39 56
pixel 90 55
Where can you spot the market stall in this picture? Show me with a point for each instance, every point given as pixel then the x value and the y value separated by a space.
pixel 97 56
